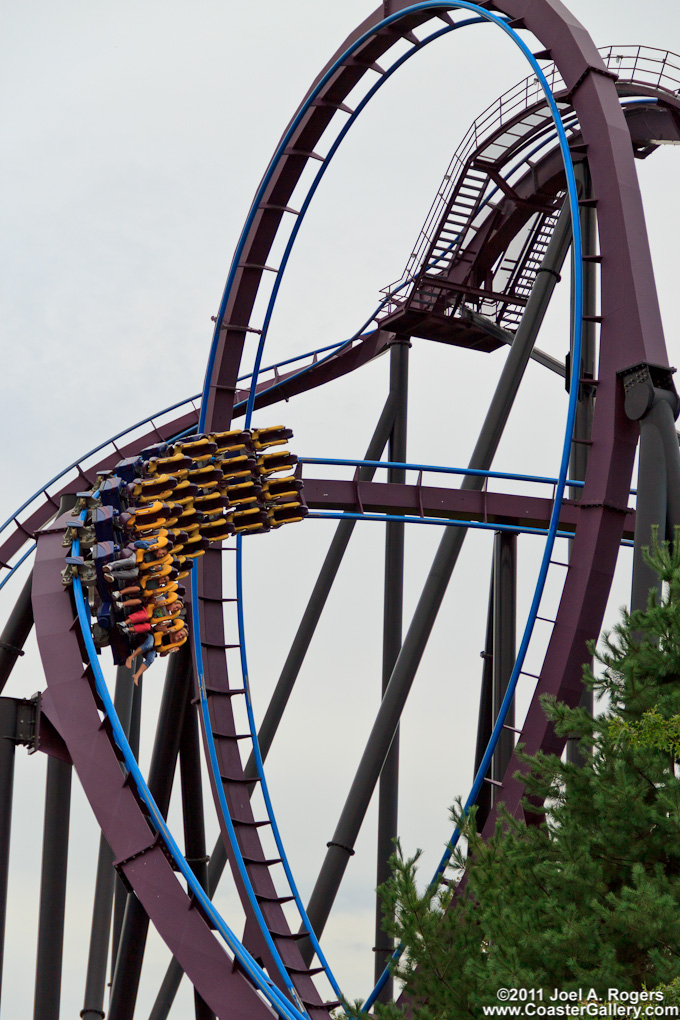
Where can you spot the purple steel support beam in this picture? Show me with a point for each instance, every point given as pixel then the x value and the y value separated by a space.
pixel 393 600
pixel 8 722
pixel 430 501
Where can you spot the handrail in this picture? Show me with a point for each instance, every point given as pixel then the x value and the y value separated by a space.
pixel 439 469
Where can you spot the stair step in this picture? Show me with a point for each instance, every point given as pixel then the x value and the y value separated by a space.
pixel 268 862
pixel 232 736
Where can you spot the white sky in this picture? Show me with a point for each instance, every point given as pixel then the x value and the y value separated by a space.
pixel 134 138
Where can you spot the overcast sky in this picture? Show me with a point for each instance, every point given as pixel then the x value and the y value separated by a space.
pixel 134 137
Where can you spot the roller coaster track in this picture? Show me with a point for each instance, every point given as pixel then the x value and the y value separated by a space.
pixel 77 702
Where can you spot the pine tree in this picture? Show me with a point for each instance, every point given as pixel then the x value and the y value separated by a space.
pixel 589 898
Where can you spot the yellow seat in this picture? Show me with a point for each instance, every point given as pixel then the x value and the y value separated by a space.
pixel 287 513
pixel 198 449
pixel 275 435
pixel 243 492
pixel 252 519
pixel 206 477
pixel 282 488
pixel 177 465
pixel 236 439
pixel 151 489
pixel 185 491
pixel 148 566
pixel 163 572
pixel 269 463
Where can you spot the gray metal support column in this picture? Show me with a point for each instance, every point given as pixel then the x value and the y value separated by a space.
pixel 651 399
pixel 15 632
pixel 665 414
pixel 192 814
pixel 344 837
pixel 53 891
pixel 651 509
pixel 388 802
pixel 95 982
pixel 161 774
pixel 504 642
pixel 8 720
